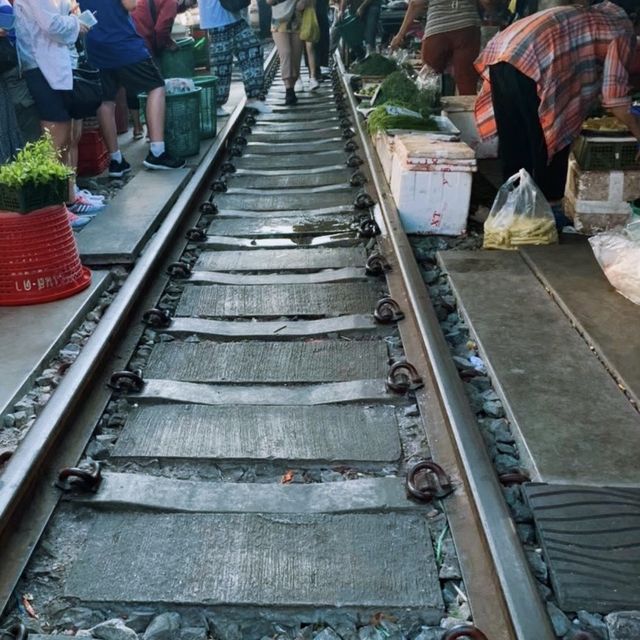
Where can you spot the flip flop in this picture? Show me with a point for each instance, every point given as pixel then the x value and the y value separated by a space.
pixel 137 135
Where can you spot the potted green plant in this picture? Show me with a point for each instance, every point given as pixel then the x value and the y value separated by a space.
pixel 37 178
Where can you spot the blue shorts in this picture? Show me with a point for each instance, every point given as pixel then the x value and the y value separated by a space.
pixel 52 105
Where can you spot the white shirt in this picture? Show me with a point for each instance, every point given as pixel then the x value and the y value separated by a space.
pixel 44 33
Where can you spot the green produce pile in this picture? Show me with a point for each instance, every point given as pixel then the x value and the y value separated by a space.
pixel 37 163
pixel 386 117
pixel 401 90
pixel 374 65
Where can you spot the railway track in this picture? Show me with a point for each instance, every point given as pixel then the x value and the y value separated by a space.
pixel 248 439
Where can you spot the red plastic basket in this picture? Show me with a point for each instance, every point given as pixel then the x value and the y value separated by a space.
pixel 39 259
pixel 93 157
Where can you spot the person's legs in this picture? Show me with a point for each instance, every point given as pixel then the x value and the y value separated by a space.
pixel 323 45
pixel 248 52
pixel 435 52
pixel 466 48
pixel 312 65
pixel 371 19
pixel 107 120
pixel 155 114
pixel 221 54
pixel 283 44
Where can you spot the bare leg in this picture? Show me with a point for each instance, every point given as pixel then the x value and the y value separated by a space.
pixel 155 114
pixel 311 59
pixel 107 120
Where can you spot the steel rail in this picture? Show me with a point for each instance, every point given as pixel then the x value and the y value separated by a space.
pixel 23 467
pixel 528 613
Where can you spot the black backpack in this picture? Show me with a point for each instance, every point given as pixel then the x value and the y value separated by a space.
pixel 234 6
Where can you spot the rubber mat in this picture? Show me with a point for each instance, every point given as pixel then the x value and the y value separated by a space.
pixel 370 562
pixel 322 434
pixel 282 362
pixel 590 538
pixel 272 301
pixel 284 260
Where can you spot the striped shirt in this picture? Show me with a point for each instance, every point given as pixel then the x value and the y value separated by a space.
pixel 450 15
pixel 574 55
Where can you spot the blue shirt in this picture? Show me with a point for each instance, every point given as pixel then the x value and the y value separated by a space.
pixel 213 16
pixel 113 42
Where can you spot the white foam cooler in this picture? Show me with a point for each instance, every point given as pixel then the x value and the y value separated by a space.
pixel 460 110
pixel 431 184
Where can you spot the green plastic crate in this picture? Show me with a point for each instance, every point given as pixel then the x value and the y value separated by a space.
pixel 180 63
pixel 605 155
pixel 207 105
pixel 182 122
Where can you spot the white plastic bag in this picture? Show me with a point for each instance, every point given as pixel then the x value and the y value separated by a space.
pixel 179 85
pixel 520 215
pixel 618 253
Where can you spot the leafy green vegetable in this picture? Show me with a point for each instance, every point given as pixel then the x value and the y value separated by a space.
pixel 37 163
pixel 382 119
pixel 374 65
pixel 401 90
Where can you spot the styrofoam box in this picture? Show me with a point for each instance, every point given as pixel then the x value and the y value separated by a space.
pixel 460 110
pixel 431 184
pixel 383 143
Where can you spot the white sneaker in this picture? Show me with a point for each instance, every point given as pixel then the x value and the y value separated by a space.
pixel 223 112
pixel 93 197
pixel 313 84
pixel 299 86
pixel 259 106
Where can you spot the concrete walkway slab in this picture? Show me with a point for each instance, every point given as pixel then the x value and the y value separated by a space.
pixel 352 391
pixel 269 362
pixel 572 422
pixel 118 234
pixel 30 336
pixel 589 537
pixel 153 493
pixel 361 561
pixel 608 320
pixel 282 260
pixel 324 434
pixel 274 301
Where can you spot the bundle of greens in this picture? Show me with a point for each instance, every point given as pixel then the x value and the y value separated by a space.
pixel 389 116
pixel 399 89
pixel 374 65
pixel 38 163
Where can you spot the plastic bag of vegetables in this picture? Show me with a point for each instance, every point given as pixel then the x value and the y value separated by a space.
pixel 389 116
pixel 520 215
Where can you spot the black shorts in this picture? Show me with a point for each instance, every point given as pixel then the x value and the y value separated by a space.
pixel 140 77
pixel 53 105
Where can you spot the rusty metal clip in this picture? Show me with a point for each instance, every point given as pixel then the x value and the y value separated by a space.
pixel 240 141
pixel 348 133
pixel 387 311
pixel 514 477
pixel 369 228
pixel 250 120
pixel 208 208
pixel 87 478
pixel 354 161
pixel 219 186
pixel 357 179
pixel 438 482
pixel 464 631
pixel 196 235
pixel 377 265
pixel 350 145
pixel 158 318
pixel 126 381
pixel 235 151
pixel 363 201
pixel 16 632
pixel 403 377
pixel 227 167
pixel 179 270
pixel 245 130
pixel 345 123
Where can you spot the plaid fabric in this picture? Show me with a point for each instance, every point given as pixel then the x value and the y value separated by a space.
pixel 574 55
